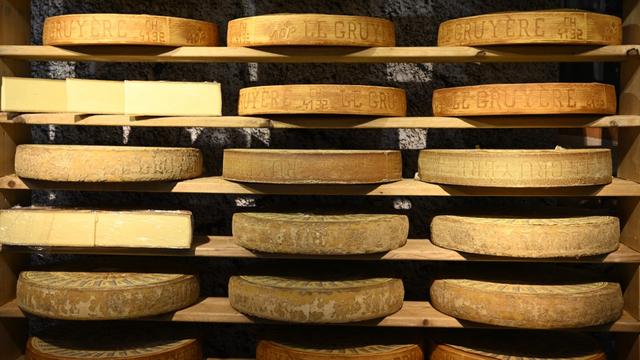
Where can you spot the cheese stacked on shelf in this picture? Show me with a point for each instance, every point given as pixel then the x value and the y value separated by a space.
pixel 336 351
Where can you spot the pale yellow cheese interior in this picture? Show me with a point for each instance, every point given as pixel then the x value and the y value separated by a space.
pixel 168 98
pixel 27 95
pixel 95 96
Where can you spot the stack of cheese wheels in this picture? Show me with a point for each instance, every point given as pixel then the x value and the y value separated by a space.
pixel 104 295
pixel 540 298
pixel 127 29
pixel 279 350
pixel 79 163
pixel 311 234
pixel 323 99
pixel 516 168
pixel 312 166
pixel 310 30
pixel 300 300
pixel 562 27
pixel 527 237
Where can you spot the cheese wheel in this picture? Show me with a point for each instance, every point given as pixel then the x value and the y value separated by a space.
pixel 533 237
pixel 106 163
pixel 270 350
pixel 566 27
pixel 320 234
pixel 127 29
pixel 525 99
pixel 516 168
pixel 312 166
pixel 323 99
pixel 315 301
pixel 523 302
pixel 103 295
pixel 311 30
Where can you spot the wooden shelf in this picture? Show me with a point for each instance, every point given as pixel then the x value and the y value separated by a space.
pixel 426 54
pixel 418 250
pixel 405 187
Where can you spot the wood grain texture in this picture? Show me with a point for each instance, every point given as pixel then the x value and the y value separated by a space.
pixel 271 350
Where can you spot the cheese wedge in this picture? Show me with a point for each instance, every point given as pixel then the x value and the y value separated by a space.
pixel 275 350
pixel 28 95
pixel 95 96
pixel 92 228
pixel 172 98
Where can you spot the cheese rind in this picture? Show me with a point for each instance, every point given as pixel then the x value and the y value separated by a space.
pixel 313 301
pixel 527 237
pixel 95 96
pixel 103 295
pixel 94 228
pixel 273 350
pixel 82 163
pixel 28 95
pixel 320 234
pixel 172 98
pixel 312 166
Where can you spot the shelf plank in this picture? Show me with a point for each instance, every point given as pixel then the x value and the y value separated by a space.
pixel 415 250
pixel 426 54
pixel 405 187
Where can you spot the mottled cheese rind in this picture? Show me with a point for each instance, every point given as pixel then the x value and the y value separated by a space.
pixel 90 163
pixel 323 99
pixel 527 237
pixel 172 98
pixel 95 96
pixel 310 30
pixel 29 95
pixel 525 99
pixel 302 301
pixel 516 168
pixel 102 295
pixel 270 350
pixel 566 27
pixel 532 306
pixel 320 234
pixel 312 166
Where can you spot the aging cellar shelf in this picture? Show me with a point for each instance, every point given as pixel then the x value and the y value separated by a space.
pixel 405 187
pixel 426 54
pixel 418 250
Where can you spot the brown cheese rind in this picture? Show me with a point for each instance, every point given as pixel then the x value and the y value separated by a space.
pixel 268 350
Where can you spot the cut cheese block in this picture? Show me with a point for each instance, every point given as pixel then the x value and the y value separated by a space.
pixel 525 99
pixel 567 27
pixel 127 29
pixel 27 95
pixel 172 98
pixel 275 350
pixel 92 228
pixel 319 234
pixel 315 301
pixel 311 30
pixel 104 295
pixel 516 168
pixel 312 166
pixel 95 96
pixel 323 99
pixel 106 163
pixel 533 237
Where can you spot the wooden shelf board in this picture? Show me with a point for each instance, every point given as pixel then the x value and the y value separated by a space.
pixel 288 122
pixel 417 250
pixel 405 187
pixel 426 54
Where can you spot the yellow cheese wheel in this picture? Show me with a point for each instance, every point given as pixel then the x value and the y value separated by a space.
pixel 525 99
pixel 323 99
pixel 103 295
pixel 516 168
pixel 320 234
pixel 567 27
pixel 310 30
pixel 268 350
pixel 127 29
pixel 529 237
pixel 315 301
pixel 312 166
pixel 82 163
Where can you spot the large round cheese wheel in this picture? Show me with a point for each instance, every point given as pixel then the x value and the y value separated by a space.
pixel 323 99
pixel 311 30
pixel 528 237
pixel 315 301
pixel 268 350
pixel 127 29
pixel 82 163
pixel 103 295
pixel 516 168
pixel 312 166
pixel 525 99
pixel 567 27
pixel 320 234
